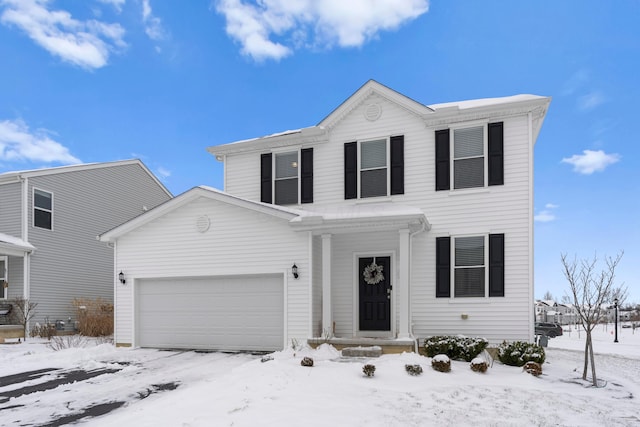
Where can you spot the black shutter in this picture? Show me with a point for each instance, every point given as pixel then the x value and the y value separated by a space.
pixel 496 265
pixel 496 153
pixel 306 175
pixel 266 193
pixel 443 267
pixel 442 160
pixel 397 164
pixel 350 170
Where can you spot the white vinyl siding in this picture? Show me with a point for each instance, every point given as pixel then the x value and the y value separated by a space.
pixel 239 241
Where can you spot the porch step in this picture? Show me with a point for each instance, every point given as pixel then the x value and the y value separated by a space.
pixel 372 351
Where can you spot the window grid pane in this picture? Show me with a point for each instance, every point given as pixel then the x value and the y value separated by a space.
pixel 468 173
pixel 287 165
pixel 468 142
pixel 374 183
pixel 286 191
pixel 42 199
pixel 42 219
pixel 373 154
pixel 469 282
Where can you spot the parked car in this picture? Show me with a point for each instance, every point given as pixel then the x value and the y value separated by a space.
pixel 550 330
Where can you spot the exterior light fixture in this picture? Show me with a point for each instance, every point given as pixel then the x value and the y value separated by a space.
pixel 121 278
pixel 294 270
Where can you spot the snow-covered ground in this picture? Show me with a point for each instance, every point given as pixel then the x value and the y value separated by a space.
pixel 218 389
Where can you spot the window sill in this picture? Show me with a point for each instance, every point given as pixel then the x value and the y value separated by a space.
pixel 473 300
pixel 467 191
pixel 376 199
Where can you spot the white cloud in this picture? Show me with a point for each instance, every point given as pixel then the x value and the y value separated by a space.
pixel 575 82
pixel 18 143
pixel 117 4
pixel 323 23
pixel 162 172
pixel 83 43
pixel 590 101
pixel 591 161
pixel 152 24
pixel 547 214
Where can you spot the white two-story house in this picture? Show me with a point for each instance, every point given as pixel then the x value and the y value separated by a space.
pixel 387 222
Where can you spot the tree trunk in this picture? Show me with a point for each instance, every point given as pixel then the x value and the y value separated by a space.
pixel 593 365
pixel 586 355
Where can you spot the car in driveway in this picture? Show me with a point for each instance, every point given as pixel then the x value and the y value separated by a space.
pixel 550 330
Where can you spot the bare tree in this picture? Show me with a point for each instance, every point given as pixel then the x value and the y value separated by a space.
pixel 621 293
pixel 24 311
pixel 547 296
pixel 589 292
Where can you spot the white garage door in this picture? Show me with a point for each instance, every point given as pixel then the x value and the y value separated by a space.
pixel 229 313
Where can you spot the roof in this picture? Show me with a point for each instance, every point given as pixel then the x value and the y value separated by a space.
pixel 435 115
pixel 10 245
pixel 336 219
pixel 15 176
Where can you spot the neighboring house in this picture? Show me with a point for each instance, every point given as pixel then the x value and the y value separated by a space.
pixel 388 221
pixel 550 311
pixel 49 219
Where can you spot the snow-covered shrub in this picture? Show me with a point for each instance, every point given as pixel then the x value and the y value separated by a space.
pixel 413 369
pixel 518 353
pixel 479 365
pixel 456 347
pixel 441 363
pixel 533 368
pixel 369 370
pixel 306 361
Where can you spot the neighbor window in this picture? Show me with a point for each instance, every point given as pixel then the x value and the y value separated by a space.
pixel 42 209
pixel 3 277
pixel 286 178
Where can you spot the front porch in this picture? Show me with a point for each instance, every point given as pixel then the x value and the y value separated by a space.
pixel 388 345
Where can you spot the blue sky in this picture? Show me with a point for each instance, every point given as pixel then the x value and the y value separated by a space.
pixel 103 80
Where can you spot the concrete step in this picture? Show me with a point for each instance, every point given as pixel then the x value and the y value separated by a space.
pixel 370 351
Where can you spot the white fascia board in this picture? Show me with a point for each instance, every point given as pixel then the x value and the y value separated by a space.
pixel 190 195
pixel 307 136
pixel 319 224
pixel 10 245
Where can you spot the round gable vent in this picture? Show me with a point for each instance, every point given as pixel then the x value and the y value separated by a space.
pixel 373 112
pixel 203 223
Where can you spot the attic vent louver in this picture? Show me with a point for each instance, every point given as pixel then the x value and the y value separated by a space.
pixel 373 112
pixel 202 223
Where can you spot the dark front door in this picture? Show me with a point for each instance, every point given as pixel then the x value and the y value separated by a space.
pixel 375 293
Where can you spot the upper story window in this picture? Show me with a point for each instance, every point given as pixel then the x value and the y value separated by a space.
pixel 287 178
pixel 477 158
pixel 475 263
pixel 3 277
pixel 374 168
pixel 42 209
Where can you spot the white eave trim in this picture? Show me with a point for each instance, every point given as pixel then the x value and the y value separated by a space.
pixel 307 136
pixel 190 195
pixel 14 246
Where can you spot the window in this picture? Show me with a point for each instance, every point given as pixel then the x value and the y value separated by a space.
pixel 469 266
pixel 3 277
pixel 474 163
pixel 374 168
pixel 42 209
pixel 468 157
pixel 287 177
pixel 467 261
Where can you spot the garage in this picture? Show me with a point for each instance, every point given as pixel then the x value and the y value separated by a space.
pixel 213 313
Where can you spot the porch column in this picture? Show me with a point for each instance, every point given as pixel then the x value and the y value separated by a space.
pixel 403 285
pixel 327 319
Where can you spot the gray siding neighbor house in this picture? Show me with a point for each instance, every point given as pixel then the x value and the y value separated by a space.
pixel 49 220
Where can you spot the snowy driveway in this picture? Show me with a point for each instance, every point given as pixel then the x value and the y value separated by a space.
pixel 66 392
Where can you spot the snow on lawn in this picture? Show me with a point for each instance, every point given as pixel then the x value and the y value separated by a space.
pixel 218 389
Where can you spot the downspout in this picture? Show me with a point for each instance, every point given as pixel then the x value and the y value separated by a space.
pixel 531 230
pixel 420 230
pixel 24 224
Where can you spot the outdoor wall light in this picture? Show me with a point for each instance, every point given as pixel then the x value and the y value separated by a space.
pixel 294 270
pixel 121 278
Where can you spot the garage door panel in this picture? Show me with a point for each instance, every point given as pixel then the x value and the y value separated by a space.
pixel 232 313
